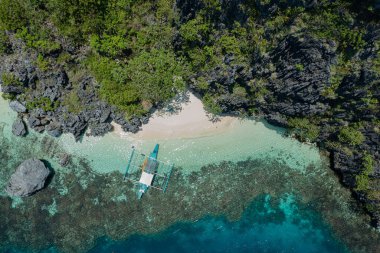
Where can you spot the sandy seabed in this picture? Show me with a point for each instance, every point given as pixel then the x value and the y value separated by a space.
pixel 191 121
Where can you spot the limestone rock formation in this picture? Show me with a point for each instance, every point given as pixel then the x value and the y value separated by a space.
pixel 17 106
pixel 29 177
pixel 18 127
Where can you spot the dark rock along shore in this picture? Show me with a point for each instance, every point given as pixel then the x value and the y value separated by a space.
pixel 295 75
pixel 54 85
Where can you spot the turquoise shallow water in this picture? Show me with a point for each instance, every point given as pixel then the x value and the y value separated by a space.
pixel 247 139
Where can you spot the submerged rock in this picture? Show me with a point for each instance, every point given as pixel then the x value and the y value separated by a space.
pixel 18 127
pixel 64 159
pixel 28 178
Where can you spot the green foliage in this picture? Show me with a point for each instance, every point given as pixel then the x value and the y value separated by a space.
pixel 78 18
pixel 335 23
pixel 4 43
pixel 40 41
pixel 64 58
pixel 109 45
pixel 72 102
pixel 211 105
pixel 154 76
pixel 352 38
pixel 256 37
pixel 342 68
pixel 362 179
pixel 303 128
pixel 229 45
pixel 202 84
pixel 376 61
pixel 13 14
pixel 45 103
pixel 205 46
pixel 362 182
pixel 277 22
pixel 10 79
pixel 368 164
pixel 239 91
pixel 42 63
pixel 113 77
pixel 299 67
pixel 157 75
pixel 350 135
pixel 258 89
pixel 8 96
pixel 194 30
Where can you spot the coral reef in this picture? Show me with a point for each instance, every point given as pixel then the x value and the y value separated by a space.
pixel 80 206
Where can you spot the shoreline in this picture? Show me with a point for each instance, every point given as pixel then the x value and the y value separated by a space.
pixel 190 122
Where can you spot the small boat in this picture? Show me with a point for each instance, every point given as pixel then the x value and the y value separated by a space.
pixel 149 169
pixel 152 170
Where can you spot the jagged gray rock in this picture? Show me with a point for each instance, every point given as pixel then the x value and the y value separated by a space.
pixel 29 177
pixel 16 89
pixel 33 121
pixel 105 114
pixel 18 127
pixel 54 129
pixel 100 129
pixel 301 65
pixel 17 106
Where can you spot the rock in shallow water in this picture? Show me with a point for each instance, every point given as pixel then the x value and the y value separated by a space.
pixel 28 178
pixel 64 159
pixel 18 127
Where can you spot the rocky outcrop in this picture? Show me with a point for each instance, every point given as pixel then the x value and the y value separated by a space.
pixel 74 124
pixel 230 81
pixel 33 121
pixel 47 91
pixel 100 129
pixel 54 129
pixel 346 165
pixel 299 74
pixel 17 106
pixel 28 178
pixel 13 89
pixel 18 127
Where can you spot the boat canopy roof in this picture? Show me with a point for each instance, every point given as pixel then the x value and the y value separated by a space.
pixel 148 171
pixel 151 165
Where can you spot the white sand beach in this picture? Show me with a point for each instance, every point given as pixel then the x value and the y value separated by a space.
pixel 190 122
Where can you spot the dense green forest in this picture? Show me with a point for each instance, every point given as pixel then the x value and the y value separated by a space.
pixel 134 50
pixel 143 53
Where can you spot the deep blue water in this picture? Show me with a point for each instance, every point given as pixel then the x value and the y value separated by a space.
pixel 262 228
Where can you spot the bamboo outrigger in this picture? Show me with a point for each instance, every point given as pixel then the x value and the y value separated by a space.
pixel 154 173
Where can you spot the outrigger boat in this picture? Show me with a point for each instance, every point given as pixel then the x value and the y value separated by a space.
pixel 154 173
